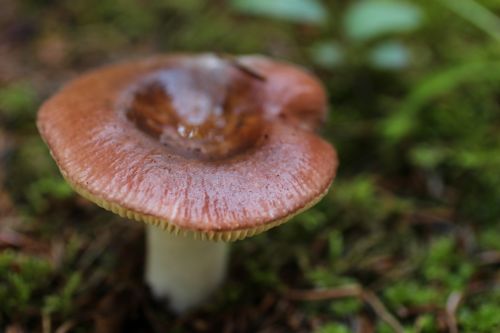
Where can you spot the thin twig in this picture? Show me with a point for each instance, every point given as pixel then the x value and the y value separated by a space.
pixel 65 327
pixel 379 308
pixel 46 323
pixel 324 294
pixel 451 309
pixel 349 291
pixel 491 257
pixel 242 67
pixel 14 328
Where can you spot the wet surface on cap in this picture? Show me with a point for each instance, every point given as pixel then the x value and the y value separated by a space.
pixel 208 110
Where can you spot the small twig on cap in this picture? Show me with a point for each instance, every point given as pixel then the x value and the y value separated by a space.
pixel 242 67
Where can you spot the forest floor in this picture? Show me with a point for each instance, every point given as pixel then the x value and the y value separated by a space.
pixel 407 240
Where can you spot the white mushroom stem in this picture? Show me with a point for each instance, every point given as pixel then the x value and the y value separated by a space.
pixel 183 270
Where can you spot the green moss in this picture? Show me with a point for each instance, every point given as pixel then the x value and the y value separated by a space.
pixel 21 278
pixel 62 302
pixel 483 319
pixel 18 102
pixel 444 265
pixel 410 293
pixel 346 307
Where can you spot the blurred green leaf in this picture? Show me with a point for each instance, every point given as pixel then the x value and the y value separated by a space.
pixel 373 18
pixel 390 56
pixel 327 54
pixel 404 121
pixel 477 14
pixel 298 11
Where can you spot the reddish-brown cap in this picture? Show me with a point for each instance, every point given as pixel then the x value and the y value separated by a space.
pixel 224 148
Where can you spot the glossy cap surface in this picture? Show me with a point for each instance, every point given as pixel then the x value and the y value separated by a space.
pixel 221 148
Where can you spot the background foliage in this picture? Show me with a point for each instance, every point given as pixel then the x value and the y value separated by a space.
pixel 407 240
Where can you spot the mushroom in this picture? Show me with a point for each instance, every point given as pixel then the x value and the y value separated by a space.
pixel 203 149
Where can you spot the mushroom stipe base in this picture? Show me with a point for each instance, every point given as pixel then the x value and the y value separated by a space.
pixel 223 235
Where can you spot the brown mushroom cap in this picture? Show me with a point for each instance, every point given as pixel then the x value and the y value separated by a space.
pixel 224 149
